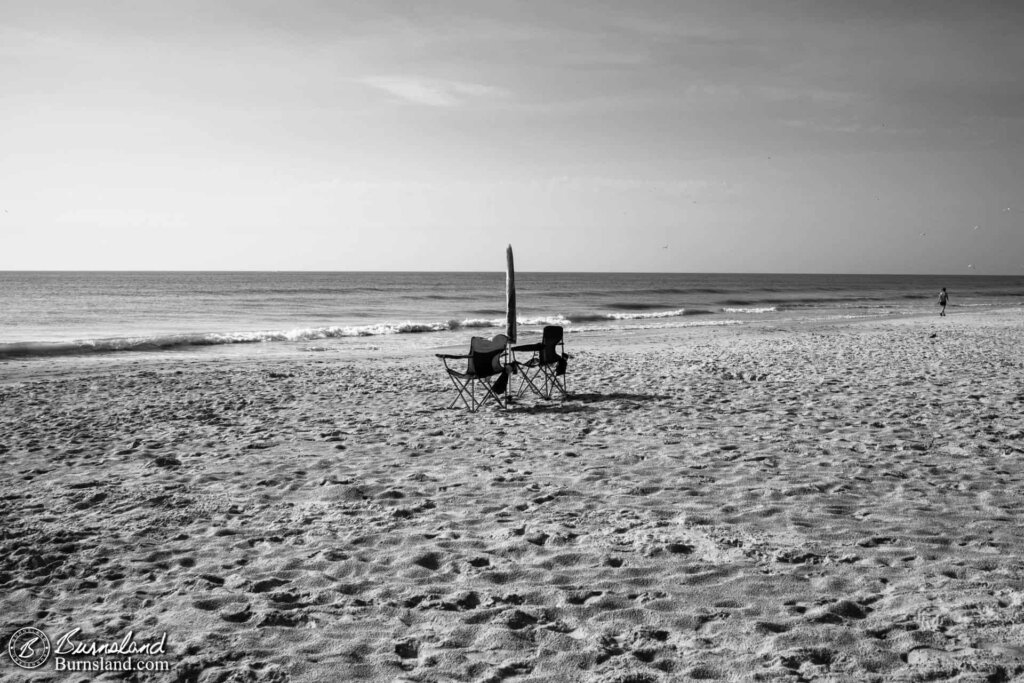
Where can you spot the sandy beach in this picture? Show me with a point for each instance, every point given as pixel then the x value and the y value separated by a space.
pixel 827 501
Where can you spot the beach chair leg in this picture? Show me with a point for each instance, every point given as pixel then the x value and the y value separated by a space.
pixel 489 393
pixel 463 393
pixel 557 384
pixel 552 383
pixel 532 381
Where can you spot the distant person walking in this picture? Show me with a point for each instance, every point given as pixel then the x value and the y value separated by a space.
pixel 943 298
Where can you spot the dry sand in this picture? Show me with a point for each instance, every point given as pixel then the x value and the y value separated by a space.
pixel 833 502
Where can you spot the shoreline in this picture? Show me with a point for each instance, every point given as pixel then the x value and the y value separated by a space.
pixel 15 369
pixel 834 500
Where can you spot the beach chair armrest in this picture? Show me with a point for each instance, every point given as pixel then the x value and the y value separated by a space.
pixel 451 356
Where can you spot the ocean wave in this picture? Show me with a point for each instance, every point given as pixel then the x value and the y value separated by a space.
pixel 798 301
pixel 164 342
pixel 646 316
pixel 595 317
pixel 755 309
pixel 635 306
pixel 544 320
pixel 172 341
pixel 678 290
pixel 663 326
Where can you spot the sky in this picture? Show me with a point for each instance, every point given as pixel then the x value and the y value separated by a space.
pixel 817 136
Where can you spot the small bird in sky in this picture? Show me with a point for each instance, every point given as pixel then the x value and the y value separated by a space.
pixel 970 266
pixel 975 227
pixel 923 234
pixel 1007 209
pixel 665 247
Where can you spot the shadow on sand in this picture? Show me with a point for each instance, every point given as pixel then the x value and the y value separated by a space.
pixel 615 396
pixel 581 403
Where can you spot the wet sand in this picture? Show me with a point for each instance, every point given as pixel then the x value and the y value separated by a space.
pixel 835 501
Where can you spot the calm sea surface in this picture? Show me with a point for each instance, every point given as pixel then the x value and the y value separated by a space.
pixel 51 313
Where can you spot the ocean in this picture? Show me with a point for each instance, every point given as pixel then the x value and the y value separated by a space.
pixel 61 313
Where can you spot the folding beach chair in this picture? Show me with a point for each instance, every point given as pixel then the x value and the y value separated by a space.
pixel 544 372
pixel 477 384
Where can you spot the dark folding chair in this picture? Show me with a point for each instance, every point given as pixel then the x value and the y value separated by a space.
pixel 544 372
pixel 476 385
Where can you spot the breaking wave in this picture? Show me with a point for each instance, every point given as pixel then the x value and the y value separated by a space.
pixel 173 341
pixel 166 342
pixel 595 317
pixel 755 309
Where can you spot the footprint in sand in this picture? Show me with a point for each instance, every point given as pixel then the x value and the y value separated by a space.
pixel 408 649
pixel 279 618
pixel 267 585
pixel 838 612
pixel 236 614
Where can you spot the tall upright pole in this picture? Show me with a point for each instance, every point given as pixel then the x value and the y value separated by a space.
pixel 510 296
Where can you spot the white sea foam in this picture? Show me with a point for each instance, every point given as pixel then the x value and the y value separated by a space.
pixel 645 316
pixel 755 309
pixel 548 320
pixel 374 330
pixel 659 326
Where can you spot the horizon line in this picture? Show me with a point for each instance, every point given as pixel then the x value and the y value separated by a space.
pixel 480 272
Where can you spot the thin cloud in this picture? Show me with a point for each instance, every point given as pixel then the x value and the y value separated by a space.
pixel 433 92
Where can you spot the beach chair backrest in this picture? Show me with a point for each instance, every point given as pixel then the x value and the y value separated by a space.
pixel 551 338
pixel 485 355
